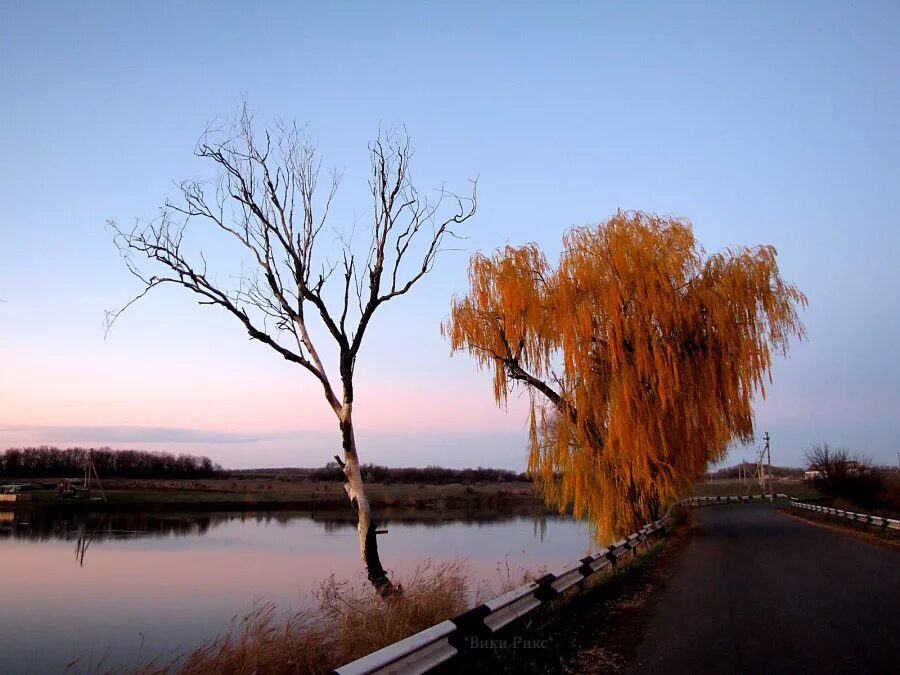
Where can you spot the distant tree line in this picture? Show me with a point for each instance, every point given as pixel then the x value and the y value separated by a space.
pixel 52 462
pixel 432 475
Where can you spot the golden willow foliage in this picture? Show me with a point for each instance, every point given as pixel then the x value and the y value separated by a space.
pixel 641 355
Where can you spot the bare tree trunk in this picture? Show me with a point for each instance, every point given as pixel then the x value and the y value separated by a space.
pixel 265 201
pixel 366 526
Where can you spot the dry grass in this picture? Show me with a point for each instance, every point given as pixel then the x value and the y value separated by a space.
pixel 511 576
pixel 348 621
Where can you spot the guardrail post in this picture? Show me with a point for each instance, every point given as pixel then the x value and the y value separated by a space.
pixel 611 556
pixel 469 624
pixel 545 590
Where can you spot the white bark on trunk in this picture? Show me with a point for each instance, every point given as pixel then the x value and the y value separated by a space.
pixel 356 491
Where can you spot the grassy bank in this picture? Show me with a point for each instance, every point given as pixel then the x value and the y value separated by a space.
pixel 259 493
pixel 347 622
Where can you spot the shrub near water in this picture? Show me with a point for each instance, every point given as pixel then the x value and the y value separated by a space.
pixel 349 621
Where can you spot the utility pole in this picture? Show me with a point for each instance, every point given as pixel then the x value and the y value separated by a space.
pixel 88 468
pixel 761 469
pixel 87 473
pixel 769 461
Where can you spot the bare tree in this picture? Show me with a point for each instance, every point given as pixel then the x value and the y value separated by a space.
pixel 832 464
pixel 266 200
pixel 846 475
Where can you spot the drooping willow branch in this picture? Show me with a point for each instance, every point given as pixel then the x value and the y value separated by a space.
pixel 641 354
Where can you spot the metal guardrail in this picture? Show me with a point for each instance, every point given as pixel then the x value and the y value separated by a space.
pixel 433 646
pixel 701 501
pixel 883 523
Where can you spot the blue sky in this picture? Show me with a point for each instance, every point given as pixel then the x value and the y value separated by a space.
pixel 760 122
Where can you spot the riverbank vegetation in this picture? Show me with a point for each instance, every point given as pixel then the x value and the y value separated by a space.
pixel 305 494
pixel 348 620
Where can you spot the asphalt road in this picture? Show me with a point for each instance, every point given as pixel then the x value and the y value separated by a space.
pixel 757 591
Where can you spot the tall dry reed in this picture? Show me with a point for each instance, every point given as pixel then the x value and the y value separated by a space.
pixel 348 620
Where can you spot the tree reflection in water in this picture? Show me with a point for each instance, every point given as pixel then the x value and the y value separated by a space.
pixel 85 528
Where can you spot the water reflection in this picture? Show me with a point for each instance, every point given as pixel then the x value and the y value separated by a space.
pixel 85 528
pixel 46 525
pixel 90 526
pixel 146 583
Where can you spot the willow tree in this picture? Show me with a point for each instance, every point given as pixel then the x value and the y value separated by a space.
pixel 304 295
pixel 641 354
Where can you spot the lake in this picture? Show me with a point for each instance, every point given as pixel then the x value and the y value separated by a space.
pixel 125 588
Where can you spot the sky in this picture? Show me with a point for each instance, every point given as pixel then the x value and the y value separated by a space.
pixel 763 123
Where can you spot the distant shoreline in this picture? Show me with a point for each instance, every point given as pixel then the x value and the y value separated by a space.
pixel 239 494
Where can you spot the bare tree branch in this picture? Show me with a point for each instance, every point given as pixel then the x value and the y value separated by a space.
pixel 265 199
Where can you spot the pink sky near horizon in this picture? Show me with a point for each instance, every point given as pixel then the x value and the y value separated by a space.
pixel 230 403
pixel 773 125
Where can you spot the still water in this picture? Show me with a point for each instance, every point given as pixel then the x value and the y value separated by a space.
pixel 125 588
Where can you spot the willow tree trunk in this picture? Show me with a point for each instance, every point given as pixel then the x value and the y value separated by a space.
pixel 365 525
